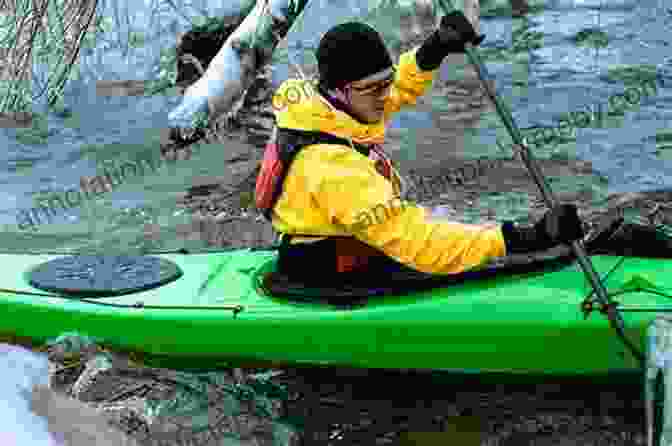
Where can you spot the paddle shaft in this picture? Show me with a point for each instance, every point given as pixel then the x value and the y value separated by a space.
pixel 533 169
pixel 613 315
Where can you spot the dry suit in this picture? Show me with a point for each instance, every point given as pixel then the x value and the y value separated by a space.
pixel 337 202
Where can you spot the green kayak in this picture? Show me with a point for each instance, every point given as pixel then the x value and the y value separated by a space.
pixel 520 316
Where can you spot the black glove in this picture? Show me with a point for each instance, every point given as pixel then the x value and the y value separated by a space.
pixel 453 33
pixel 559 225
pixel 456 30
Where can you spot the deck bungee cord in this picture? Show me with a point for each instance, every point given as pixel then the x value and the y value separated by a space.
pixel 139 305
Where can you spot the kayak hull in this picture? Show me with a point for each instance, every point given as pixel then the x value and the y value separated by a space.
pixel 520 324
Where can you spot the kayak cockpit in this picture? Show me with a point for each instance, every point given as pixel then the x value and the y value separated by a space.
pixel 613 238
pixel 275 284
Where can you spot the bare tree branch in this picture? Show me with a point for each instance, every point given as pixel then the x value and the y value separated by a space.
pixel 50 30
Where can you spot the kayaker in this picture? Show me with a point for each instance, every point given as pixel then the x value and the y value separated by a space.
pixel 324 168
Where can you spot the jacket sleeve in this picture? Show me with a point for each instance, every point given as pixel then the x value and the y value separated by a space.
pixel 364 204
pixel 410 82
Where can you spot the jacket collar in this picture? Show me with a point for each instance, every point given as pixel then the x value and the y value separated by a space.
pixel 321 112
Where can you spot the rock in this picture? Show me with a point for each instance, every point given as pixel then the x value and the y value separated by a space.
pixel 16 120
pixel 244 230
pixel 519 8
pixel 120 88
pixel 74 423
pixel 116 404
pixel 205 185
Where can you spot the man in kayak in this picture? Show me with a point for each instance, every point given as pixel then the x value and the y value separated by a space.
pixel 324 172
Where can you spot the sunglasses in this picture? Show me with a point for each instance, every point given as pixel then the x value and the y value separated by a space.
pixel 375 89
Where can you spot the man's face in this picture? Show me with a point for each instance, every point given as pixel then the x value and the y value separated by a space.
pixel 368 96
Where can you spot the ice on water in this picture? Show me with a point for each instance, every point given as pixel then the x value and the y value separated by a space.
pixel 21 370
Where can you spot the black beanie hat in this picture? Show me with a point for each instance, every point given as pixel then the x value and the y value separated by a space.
pixel 349 52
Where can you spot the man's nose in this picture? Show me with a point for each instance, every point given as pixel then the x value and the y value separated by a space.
pixel 384 92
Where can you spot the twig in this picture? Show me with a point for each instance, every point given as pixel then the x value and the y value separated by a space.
pixel 189 58
pixel 117 396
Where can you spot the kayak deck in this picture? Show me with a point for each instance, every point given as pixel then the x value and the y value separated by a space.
pixel 517 323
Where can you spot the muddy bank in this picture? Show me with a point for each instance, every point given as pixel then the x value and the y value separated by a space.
pixel 101 397
pixel 349 407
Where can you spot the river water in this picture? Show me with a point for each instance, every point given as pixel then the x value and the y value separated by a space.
pixel 545 64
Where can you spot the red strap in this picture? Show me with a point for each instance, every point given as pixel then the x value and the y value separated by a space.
pixel 348 263
pixel 268 178
pixel 383 162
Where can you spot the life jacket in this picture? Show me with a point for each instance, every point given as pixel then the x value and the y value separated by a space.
pixel 280 152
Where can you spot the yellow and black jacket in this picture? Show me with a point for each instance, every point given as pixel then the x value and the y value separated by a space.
pixel 335 192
